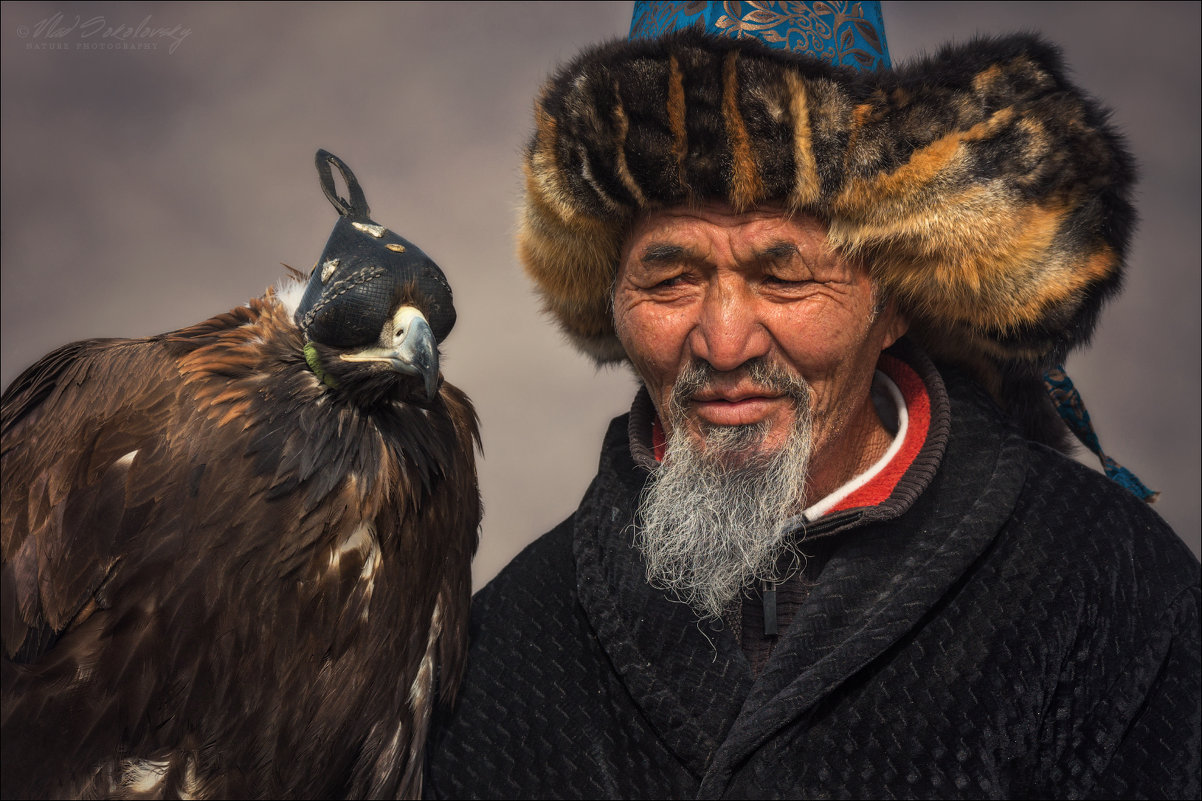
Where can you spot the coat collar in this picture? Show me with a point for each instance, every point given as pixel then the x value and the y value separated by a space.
pixel 892 563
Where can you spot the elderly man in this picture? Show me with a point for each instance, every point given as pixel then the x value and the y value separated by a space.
pixel 829 551
pixel 757 345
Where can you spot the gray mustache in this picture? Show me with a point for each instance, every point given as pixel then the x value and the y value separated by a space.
pixel 699 374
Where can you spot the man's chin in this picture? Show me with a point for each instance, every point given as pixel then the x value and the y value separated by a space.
pixel 736 446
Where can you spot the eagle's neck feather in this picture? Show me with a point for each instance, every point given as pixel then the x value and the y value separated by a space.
pixel 288 292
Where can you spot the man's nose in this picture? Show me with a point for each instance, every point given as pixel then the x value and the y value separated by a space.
pixel 728 332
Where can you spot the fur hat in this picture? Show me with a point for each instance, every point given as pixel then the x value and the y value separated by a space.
pixel 985 193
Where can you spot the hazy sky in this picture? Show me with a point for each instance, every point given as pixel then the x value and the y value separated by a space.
pixel 145 189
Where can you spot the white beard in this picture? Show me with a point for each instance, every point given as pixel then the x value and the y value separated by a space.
pixel 711 518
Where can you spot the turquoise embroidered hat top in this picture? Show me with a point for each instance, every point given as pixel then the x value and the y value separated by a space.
pixel 848 34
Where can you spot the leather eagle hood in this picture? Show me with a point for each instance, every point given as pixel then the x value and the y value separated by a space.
pixel 984 192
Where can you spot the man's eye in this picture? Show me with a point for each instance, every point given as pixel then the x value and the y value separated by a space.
pixel 668 283
pixel 776 280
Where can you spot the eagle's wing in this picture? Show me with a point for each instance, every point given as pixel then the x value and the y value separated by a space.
pixel 68 505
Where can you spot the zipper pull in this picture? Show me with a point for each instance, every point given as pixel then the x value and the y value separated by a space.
pixel 768 589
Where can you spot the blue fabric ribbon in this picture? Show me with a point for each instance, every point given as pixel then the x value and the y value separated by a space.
pixel 1073 412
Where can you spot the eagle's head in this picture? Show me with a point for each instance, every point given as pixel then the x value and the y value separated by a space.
pixel 375 308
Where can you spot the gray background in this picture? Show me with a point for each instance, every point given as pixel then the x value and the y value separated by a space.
pixel 145 190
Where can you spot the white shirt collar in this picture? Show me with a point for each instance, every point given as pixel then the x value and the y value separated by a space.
pixel 882 387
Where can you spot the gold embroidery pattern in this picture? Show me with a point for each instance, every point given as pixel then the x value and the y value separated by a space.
pixel 835 32
pixel 832 31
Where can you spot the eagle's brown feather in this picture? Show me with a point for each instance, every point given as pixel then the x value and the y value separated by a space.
pixel 219 574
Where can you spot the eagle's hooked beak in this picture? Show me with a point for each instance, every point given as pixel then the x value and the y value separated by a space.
pixel 407 346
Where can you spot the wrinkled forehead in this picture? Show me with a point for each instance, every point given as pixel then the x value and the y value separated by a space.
pixel 719 226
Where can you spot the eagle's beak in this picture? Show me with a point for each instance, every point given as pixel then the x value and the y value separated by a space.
pixel 411 348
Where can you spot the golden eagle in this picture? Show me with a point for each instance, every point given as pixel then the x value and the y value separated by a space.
pixel 236 557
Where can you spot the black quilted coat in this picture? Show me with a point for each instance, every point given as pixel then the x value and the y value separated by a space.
pixel 1008 624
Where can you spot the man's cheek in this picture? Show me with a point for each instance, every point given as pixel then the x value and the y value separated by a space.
pixel 651 346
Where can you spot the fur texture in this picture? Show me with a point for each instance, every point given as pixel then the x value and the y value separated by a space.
pixel 984 191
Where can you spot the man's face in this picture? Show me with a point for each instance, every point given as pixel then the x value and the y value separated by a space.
pixel 708 286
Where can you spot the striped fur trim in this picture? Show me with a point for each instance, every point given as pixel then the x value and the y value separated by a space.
pixel 986 193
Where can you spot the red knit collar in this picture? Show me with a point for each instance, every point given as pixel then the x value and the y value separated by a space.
pixel 918 408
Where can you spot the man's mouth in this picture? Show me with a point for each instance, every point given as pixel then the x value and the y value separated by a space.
pixel 756 394
pixel 735 408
